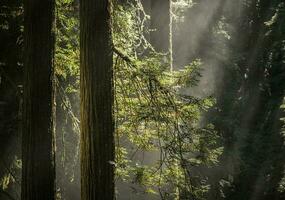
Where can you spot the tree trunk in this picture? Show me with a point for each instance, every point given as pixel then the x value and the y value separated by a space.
pixel 38 173
pixel 160 25
pixel 161 28
pixel 97 123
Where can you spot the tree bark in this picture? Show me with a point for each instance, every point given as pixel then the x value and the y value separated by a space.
pixel 97 123
pixel 38 173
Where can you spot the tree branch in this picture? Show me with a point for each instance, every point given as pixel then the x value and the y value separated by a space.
pixel 123 55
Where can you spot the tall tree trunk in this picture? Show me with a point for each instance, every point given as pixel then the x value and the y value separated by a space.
pixel 160 25
pixel 161 28
pixel 38 174
pixel 97 123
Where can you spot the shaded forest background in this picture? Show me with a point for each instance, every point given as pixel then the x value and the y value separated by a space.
pixel 199 99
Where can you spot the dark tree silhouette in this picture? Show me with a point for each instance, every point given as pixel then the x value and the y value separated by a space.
pixel 38 175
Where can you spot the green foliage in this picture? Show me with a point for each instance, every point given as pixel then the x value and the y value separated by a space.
pixel 67 39
pixel 154 117
pixel 189 76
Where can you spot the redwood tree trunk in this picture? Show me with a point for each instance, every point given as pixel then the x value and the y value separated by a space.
pixel 38 174
pixel 97 124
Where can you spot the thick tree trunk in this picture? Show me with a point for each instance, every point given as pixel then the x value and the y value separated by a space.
pixel 38 174
pixel 97 124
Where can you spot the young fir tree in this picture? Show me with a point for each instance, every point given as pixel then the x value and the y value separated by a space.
pixel 97 123
pixel 38 174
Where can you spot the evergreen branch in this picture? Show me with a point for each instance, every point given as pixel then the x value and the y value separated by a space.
pixel 124 56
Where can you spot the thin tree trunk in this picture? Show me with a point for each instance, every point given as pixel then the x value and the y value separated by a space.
pixel 38 173
pixel 161 28
pixel 97 124
pixel 160 25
